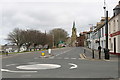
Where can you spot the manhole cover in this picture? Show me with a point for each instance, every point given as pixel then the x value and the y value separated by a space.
pixel 39 66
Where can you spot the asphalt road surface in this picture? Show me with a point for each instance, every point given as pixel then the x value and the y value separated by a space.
pixel 66 63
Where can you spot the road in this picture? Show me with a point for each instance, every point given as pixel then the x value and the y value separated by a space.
pixel 66 63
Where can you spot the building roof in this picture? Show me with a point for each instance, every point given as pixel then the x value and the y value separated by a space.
pixel 118 6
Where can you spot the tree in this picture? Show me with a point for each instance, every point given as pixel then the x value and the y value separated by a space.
pixel 59 35
pixel 16 37
pixel 32 37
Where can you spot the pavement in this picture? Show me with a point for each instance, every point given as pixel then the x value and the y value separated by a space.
pixel 69 62
pixel 96 54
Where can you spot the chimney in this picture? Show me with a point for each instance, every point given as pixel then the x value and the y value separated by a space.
pixel 117 9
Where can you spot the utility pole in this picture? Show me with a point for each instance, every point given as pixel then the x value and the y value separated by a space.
pixel 107 56
pixel 106 50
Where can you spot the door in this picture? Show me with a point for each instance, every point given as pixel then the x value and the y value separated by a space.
pixel 114 45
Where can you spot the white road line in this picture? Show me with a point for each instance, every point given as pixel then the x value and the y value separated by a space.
pixel 80 58
pixel 6 70
pixel 33 62
pixel 64 52
pixel 73 58
pixel 57 55
pixel 26 76
pixel 36 58
pixel 66 58
pixel 73 66
pixel 51 58
pixel 59 58
pixel 11 64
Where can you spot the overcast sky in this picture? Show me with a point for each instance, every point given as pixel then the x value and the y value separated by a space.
pixel 48 14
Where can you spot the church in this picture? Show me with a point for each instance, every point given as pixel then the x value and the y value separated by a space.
pixel 73 36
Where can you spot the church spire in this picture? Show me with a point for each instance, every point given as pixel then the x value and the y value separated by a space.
pixel 74 24
pixel 74 36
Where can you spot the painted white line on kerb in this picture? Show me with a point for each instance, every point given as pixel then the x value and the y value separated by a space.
pixel 82 56
pixel 73 66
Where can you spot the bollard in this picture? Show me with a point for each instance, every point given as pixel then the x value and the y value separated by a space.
pixel 106 51
pixel 99 54
pixel 84 50
pixel 93 54
pixel 49 51
pixel 42 54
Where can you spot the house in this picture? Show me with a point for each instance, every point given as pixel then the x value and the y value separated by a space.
pixel 98 37
pixel 89 40
pixel 81 40
pixel 114 31
pixel 12 48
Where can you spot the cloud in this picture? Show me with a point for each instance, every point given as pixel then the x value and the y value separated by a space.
pixel 48 15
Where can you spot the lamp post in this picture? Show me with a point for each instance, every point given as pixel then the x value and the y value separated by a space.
pixel 106 50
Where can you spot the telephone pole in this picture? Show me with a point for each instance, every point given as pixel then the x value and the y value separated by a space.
pixel 106 50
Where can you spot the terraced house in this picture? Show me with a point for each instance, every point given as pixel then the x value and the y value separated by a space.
pixel 99 37
pixel 114 31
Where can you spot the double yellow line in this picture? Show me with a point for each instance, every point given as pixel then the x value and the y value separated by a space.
pixel 82 56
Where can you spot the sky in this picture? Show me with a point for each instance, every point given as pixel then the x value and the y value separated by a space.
pixel 45 15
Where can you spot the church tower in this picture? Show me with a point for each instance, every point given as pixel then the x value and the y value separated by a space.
pixel 74 36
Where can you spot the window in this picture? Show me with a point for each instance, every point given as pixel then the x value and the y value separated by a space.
pixel 102 32
pixel 114 25
pixel 109 28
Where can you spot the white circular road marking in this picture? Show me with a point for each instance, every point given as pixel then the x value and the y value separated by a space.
pixel 39 66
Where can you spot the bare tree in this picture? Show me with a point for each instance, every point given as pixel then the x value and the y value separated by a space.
pixel 59 35
pixel 28 37
pixel 16 37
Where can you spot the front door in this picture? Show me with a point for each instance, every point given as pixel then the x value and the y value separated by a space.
pixel 114 45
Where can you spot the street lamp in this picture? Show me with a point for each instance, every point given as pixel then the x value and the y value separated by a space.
pixel 106 50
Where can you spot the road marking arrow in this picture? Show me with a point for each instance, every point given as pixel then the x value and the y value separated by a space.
pixel 73 66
